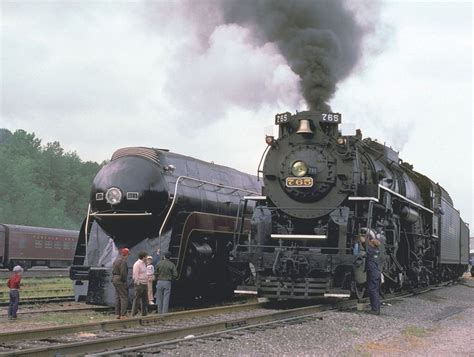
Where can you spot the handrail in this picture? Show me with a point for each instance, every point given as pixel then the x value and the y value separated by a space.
pixel 96 214
pixel 404 198
pixel 203 182
pixel 260 163
pixel 86 229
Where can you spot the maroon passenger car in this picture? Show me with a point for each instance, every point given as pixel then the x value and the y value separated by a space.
pixel 32 246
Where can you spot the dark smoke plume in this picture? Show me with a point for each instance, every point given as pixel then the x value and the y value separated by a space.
pixel 321 40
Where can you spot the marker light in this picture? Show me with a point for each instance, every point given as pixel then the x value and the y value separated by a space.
pixel 269 139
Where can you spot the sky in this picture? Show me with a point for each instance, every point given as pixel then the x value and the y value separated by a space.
pixel 100 75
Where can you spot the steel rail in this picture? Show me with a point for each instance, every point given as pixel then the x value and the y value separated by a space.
pixel 156 338
pixel 36 273
pixel 64 310
pixel 67 290
pixel 50 332
pixel 40 300
pixel 206 335
pixel 340 305
pixel 139 339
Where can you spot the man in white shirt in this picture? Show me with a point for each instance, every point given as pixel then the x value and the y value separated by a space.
pixel 140 282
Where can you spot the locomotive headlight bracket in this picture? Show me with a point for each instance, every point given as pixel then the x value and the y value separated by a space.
pixel 113 196
pixel 299 168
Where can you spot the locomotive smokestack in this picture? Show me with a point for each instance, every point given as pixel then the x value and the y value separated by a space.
pixel 321 40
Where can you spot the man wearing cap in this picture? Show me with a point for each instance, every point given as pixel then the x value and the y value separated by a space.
pixel 140 282
pixel 165 272
pixel 372 244
pixel 14 285
pixel 119 280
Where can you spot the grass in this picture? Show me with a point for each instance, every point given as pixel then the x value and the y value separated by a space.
pixel 415 331
pixel 40 287
pixel 65 318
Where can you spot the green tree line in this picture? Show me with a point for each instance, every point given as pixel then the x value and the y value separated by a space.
pixel 41 185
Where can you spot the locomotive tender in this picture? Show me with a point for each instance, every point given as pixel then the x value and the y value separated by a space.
pixel 146 199
pixel 36 246
pixel 321 191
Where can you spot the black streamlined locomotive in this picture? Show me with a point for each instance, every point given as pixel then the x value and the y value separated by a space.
pixel 323 189
pixel 147 198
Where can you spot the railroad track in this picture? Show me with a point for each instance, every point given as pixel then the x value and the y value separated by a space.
pixel 152 334
pixel 38 273
pixel 60 291
pixel 76 339
pixel 70 308
pixel 41 300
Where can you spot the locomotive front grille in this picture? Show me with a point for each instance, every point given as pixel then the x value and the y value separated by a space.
pixel 146 153
pixel 283 288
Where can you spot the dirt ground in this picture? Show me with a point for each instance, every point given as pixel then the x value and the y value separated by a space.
pixel 451 334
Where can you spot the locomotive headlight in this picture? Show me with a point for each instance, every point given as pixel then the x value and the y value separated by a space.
pixel 299 168
pixel 113 196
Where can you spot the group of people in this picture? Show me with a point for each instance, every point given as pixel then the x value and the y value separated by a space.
pixel 144 274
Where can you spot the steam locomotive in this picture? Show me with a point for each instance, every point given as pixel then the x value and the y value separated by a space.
pixel 321 191
pixel 147 198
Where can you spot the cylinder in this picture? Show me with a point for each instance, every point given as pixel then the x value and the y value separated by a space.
pixel 409 215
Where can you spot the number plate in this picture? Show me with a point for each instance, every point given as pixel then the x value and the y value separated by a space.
pixel 299 182
pixel 282 118
pixel 333 118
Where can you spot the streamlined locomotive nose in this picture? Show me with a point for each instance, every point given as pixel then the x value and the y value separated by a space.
pixel 128 198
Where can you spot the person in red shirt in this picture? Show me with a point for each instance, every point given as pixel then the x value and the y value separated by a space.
pixel 14 285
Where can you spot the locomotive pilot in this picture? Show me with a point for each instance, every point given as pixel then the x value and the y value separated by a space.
pixel 369 240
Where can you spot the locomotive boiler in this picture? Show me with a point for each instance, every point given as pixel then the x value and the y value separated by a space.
pixel 321 191
pixel 147 198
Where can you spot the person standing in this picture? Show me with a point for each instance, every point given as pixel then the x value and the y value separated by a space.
pixel 119 280
pixel 373 271
pixel 156 259
pixel 14 284
pixel 140 283
pixel 165 272
pixel 150 274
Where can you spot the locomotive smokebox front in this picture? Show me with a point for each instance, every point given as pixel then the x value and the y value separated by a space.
pixel 304 171
pixel 129 196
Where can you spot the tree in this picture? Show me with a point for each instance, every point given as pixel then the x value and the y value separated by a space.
pixel 42 185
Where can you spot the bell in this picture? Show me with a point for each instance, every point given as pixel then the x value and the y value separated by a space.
pixel 305 127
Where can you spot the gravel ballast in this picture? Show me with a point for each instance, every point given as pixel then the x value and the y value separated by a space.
pixel 437 323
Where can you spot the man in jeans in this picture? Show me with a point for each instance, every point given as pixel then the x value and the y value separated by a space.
pixel 165 272
pixel 14 284
pixel 140 282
